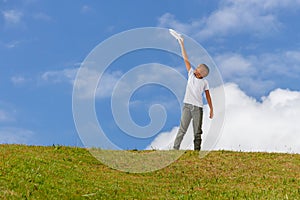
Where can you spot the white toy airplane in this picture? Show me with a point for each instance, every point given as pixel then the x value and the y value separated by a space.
pixel 176 35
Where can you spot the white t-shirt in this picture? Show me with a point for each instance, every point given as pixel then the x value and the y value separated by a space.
pixel 194 89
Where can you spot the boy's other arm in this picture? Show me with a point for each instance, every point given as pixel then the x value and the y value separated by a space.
pixel 208 98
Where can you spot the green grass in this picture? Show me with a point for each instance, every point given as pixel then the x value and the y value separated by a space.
pixel 31 172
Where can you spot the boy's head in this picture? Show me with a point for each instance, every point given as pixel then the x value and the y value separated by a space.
pixel 201 71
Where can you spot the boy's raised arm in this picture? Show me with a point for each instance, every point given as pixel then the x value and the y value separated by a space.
pixel 184 54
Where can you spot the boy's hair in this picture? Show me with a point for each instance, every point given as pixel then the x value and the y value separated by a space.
pixel 205 68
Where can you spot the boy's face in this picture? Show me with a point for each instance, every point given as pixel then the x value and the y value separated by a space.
pixel 200 72
pixel 197 73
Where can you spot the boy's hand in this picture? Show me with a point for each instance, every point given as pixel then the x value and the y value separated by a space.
pixel 176 35
pixel 211 114
pixel 181 43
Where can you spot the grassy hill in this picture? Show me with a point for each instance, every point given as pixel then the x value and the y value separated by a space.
pixel 31 172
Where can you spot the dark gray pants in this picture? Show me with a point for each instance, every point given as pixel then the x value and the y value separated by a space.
pixel 190 112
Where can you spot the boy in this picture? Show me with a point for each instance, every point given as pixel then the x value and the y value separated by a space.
pixel 193 104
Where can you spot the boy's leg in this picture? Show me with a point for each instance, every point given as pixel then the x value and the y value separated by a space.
pixel 197 115
pixel 184 124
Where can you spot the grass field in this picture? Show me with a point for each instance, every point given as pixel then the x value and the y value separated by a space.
pixel 31 172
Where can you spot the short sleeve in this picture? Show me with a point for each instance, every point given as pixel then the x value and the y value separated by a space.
pixel 206 85
pixel 190 72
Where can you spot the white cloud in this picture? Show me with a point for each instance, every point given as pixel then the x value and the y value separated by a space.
pixel 7 112
pixel 88 78
pixel 85 82
pixel 169 20
pixel 58 76
pixel 232 17
pixel 256 73
pixel 12 17
pixel 239 16
pixel 277 4
pixel 18 80
pixel 108 81
pixel 270 125
pixel 13 44
pixel 11 135
pixel 4 116
pixel 247 72
pixel 232 65
pixel 85 9
pixel 293 56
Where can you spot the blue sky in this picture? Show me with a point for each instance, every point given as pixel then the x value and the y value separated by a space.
pixel 255 44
